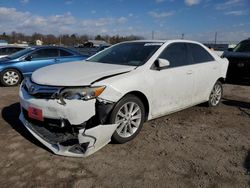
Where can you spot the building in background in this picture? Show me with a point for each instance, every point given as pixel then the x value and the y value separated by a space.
pixel 39 42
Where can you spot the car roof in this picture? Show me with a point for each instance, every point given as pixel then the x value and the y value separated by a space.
pixel 163 41
pixel 47 46
pixel 147 41
pixel 55 47
pixel 12 46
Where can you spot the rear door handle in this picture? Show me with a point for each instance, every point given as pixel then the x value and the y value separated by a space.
pixel 189 72
pixel 57 60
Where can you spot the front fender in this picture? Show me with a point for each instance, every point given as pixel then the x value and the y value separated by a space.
pixel 111 94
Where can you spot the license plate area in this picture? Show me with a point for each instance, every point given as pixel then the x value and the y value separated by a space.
pixel 35 113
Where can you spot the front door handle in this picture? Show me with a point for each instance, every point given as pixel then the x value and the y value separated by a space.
pixel 189 72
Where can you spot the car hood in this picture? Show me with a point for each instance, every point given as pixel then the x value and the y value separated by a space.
pixel 79 73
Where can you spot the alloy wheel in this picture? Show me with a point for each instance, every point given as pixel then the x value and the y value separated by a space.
pixel 128 118
pixel 216 95
pixel 11 77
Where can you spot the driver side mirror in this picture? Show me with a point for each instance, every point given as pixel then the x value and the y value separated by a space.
pixel 230 49
pixel 28 58
pixel 161 63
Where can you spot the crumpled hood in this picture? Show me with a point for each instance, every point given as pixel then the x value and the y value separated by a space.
pixel 78 73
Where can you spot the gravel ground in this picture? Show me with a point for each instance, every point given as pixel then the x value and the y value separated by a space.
pixel 197 147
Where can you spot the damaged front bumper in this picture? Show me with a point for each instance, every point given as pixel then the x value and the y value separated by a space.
pixel 76 129
pixel 87 142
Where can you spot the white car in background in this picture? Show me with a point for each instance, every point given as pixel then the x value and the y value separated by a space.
pixel 219 53
pixel 76 108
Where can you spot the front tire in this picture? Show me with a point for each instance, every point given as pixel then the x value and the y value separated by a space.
pixel 215 95
pixel 10 77
pixel 129 113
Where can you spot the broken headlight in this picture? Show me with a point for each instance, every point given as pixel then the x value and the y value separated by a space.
pixel 82 93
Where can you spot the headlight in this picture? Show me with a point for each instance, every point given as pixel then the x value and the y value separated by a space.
pixel 83 93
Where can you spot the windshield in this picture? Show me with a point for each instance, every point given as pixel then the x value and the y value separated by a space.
pixel 243 46
pixel 134 53
pixel 19 53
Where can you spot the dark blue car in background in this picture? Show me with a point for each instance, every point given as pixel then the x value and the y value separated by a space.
pixel 15 67
pixel 239 63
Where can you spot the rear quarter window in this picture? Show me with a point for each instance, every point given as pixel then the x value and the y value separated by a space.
pixel 199 54
pixel 45 53
pixel 64 53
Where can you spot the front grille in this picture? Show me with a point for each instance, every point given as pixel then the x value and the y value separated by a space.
pixel 43 95
pixel 239 68
pixel 40 91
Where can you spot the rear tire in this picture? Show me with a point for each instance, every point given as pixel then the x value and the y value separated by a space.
pixel 215 95
pixel 10 77
pixel 129 113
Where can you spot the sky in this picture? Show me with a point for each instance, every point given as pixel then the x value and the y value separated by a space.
pixel 168 19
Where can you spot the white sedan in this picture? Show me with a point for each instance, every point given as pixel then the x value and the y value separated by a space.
pixel 77 108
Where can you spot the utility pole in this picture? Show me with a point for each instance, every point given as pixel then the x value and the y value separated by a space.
pixel 153 35
pixel 215 38
pixel 182 36
pixel 60 40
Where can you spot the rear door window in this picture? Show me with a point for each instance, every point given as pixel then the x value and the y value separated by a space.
pixel 199 54
pixel 45 53
pixel 176 54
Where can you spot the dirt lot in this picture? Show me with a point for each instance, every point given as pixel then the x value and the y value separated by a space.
pixel 197 147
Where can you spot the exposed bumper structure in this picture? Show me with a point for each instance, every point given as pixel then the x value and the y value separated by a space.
pixel 89 140
pixel 66 130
